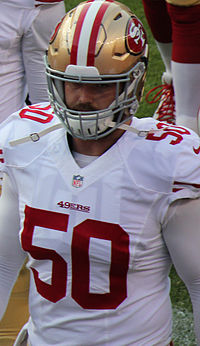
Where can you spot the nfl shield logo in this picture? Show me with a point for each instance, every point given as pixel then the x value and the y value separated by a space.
pixel 77 181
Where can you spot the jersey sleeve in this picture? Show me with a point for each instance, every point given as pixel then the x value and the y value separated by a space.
pixel 186 178
pixel 12 256
pixel 23 135
pixel 30 120
pixel 182 237
pixel 182 168
pixel 167 162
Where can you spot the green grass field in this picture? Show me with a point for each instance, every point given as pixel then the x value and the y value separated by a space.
pixel 183 334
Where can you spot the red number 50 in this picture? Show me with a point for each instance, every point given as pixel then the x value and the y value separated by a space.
pixel 80 259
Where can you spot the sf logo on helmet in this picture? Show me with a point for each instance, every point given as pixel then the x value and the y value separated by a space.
pixel 136 36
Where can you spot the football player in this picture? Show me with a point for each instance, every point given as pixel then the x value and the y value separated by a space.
pixel 25 32
pixel 175 25
pixel 25 26
pixel 101 202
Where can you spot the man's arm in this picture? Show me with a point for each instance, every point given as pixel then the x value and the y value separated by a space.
pixel 11 255
pixel 182 236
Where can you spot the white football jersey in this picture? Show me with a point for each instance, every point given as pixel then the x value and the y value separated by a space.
pixel 99 265
pixel 31 3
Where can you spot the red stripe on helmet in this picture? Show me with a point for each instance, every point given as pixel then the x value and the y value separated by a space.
pixel 94 34
pixel 73 56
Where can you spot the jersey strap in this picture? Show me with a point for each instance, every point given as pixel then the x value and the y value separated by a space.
pixel 34 137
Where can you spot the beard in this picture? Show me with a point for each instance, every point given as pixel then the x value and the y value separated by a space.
pixel 84 107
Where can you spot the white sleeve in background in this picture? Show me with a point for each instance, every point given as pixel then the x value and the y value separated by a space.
pixel 11 255
pixel 182 236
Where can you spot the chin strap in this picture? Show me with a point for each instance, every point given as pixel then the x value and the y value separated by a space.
pixel 35 137
pixel 141 133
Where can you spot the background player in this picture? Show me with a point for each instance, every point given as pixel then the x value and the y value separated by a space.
pixel 115 201
pixel 25 29
pixel 175 25
pixel 25 26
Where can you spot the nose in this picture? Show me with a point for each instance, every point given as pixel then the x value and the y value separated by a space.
pixel 85 94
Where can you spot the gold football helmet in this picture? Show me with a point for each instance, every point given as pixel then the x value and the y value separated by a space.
pixel 99 42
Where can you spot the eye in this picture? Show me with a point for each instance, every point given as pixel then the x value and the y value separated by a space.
pixel 72 85
pixel 105 86
pixel 76 85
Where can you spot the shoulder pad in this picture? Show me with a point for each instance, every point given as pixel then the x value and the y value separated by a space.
pixel 163 157
pixel 20 134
